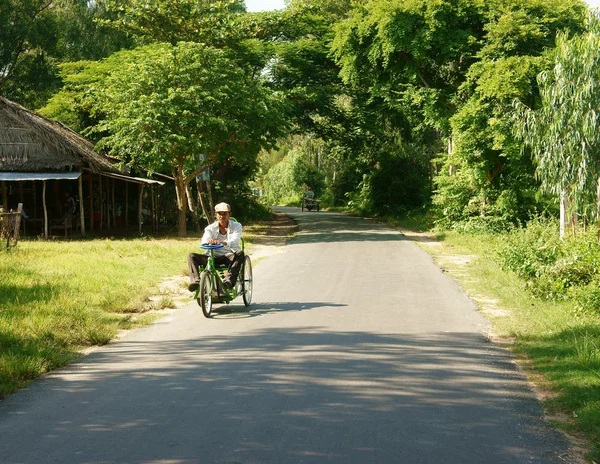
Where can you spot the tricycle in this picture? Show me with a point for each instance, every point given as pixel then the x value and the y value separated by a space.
pixel 212 290
pixel 310 203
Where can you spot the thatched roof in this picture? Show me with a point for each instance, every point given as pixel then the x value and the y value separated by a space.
pixel 30 142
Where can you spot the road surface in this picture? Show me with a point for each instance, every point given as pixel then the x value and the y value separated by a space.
pixel 357 349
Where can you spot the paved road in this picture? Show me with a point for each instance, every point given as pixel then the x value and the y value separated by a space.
pixel 358 349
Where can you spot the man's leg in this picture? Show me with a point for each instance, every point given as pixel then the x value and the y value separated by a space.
pixel 195 260
pixel 234 262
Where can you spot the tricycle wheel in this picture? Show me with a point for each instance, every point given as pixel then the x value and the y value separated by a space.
pixel 206 286
pixel 247 282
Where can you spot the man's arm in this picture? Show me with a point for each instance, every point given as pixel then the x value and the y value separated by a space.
pixel 208 234
pixel 235 234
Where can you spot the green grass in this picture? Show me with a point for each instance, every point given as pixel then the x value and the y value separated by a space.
pixel 557 345
pixel 59 297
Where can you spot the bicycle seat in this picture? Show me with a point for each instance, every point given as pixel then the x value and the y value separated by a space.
pixel 206 246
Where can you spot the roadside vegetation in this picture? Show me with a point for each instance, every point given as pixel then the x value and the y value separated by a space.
pixel 58 298
pixel 474 120
pixel 540 295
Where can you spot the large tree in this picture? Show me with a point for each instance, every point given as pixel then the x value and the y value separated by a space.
pixel 563 133
pixel 37 35
pixel 161 107
pixel 488 173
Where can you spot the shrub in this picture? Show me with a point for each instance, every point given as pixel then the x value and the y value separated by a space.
pixel 553 268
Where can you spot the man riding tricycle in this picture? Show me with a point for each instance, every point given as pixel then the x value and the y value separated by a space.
pixel 309 202
pixel 223 272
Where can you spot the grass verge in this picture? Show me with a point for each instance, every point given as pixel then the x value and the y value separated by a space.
pixel 59 297
pixel 558 346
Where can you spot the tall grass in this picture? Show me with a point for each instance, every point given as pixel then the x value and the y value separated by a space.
pixel 58 297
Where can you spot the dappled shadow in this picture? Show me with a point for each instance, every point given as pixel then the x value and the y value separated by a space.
pixel 286 395
pixel 572 358
pixel 334 227
pixel 271 233
pixel 33 288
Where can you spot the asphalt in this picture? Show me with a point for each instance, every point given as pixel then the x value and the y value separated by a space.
pixel 357 349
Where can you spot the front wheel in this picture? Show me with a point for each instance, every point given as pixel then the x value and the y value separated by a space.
pixel 206 287
pixel 247 282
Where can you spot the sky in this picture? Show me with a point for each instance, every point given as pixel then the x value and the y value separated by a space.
pixel 266 5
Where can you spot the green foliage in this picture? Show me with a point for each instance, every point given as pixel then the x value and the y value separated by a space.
pixel 164 105
pixel 410 53
pixel 210 22
pixel 160 106
pixel 554 268
pixel 37 35
pixel 286 182
pixel 396 185
pixel 487 160
pixel 562 132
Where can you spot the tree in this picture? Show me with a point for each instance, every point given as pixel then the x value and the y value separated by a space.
pixel 563 133
pixel 37 35
pixel 163 106
pixel 494 166
pixel 212 22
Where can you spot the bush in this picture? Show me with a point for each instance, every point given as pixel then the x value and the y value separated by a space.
pixel 286 182
pixel 553 268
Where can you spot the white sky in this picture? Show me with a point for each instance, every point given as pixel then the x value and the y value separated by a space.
pixel 266 5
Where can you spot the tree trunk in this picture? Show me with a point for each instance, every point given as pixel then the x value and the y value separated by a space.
pixel 563 214
pixel 568 214
pixel 205 195
pixel 180 190
pixel 598 206
pixel 202 199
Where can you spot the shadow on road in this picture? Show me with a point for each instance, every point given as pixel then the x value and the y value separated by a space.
pixel 261 309
pixel 334 227
pixel 296 395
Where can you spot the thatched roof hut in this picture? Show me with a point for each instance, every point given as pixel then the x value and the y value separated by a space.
pixel 30 142
pixel 35 148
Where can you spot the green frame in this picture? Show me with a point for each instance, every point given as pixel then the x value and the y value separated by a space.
pixel 218 274
pixel 216 292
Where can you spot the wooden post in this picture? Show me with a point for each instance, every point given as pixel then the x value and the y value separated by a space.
pixel 4 197
pixel 107 203
pixel 114 215
pixel 35 208
pixel 101 201
pixel 45 211
pixel 91 190
pixel 18 222
pixel 126 207
pixel 140 197
pixel 153 208
pixel 81 208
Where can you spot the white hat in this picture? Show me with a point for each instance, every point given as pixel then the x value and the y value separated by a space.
pixel 222 207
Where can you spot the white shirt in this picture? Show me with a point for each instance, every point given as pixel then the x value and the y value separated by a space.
pixel 232 237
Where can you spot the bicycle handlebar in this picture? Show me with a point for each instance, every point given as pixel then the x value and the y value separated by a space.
pixel 206 246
